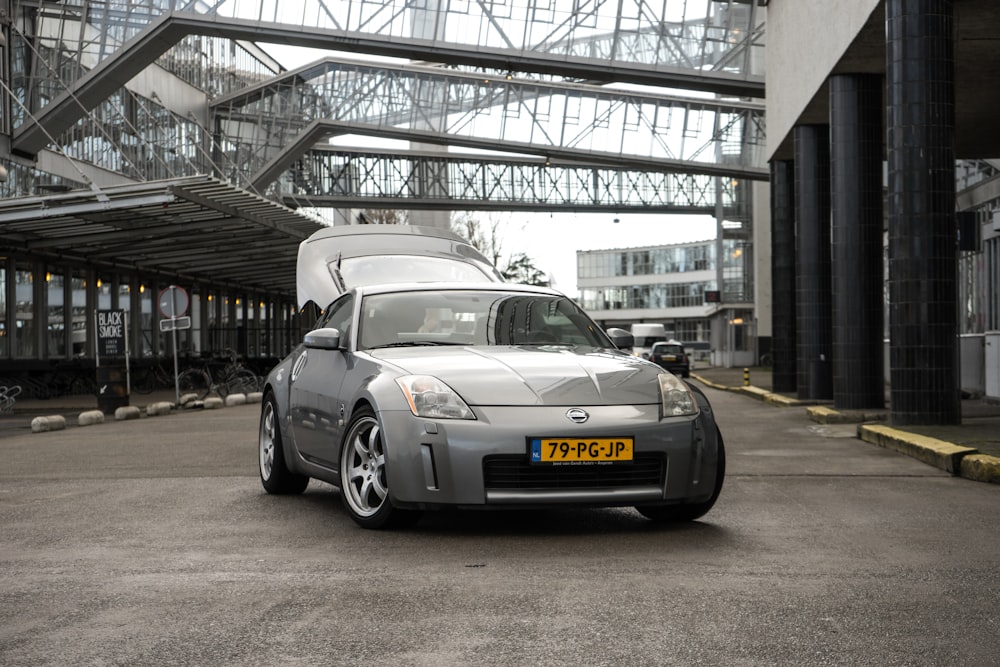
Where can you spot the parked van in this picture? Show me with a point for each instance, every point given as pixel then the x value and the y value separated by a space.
pixel 645 335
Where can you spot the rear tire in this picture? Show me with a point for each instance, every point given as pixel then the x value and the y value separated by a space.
pixel 690 511
pixel 275 476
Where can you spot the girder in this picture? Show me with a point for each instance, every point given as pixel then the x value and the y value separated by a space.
pixel 575 121
pixel 418 180
pixel 700 46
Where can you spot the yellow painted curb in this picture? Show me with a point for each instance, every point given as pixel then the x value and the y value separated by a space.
pixel 705 381
pixel 981 468
pixel 823 415
pixel 938 453
pixel 755 392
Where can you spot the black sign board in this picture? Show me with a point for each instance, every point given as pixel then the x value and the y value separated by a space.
pixel 111 333
pixel 713 296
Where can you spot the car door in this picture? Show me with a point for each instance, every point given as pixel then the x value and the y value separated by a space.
pixel 316 379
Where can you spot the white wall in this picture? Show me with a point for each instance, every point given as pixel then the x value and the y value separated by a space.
pixel 805 40
pixel 762 257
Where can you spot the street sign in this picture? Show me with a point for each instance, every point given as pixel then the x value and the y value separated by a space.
pixel 111 333
pixel 173 302
pixel 175 324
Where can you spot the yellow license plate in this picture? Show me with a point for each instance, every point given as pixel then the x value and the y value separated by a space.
pixel 588 450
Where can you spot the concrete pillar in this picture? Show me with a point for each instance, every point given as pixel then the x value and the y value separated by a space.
pixel 923 311
pixel 856 204
pixel 783 345
pixel 813 307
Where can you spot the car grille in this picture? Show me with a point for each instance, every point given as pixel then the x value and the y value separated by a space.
pixel 505 472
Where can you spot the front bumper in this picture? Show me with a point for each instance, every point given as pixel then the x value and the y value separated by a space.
pixel 484 462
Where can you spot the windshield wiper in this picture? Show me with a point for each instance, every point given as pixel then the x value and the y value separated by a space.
pixel 415 343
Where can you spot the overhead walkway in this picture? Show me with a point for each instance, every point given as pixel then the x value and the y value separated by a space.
pixel 683 135
pixel 330 177
pixel 583 124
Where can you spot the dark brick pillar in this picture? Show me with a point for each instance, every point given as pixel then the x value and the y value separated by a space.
pixel 923 302
pixel 813 307
pixel 856 203
pixel 783 349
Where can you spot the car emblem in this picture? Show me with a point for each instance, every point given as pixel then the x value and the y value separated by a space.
pixel 577 415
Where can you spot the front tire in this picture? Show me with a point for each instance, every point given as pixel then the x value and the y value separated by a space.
pixel 690 511
pixel 363 476
pixel 275 476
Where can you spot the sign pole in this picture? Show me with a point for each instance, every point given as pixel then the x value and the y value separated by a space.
pixel 173 312
pixel 128 367
pixel 177 377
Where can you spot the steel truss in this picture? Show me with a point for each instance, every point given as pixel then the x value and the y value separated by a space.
pixel 415 180
pixel 77 53
pixel 584 123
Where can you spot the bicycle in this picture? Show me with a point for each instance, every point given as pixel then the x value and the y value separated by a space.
pixel 154 376
pixel 234 378
pixel 8 397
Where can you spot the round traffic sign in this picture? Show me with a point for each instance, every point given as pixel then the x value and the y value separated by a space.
pixel 173 301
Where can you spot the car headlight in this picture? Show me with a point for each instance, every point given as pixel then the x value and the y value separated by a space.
pixel 678 399
pixel 429 397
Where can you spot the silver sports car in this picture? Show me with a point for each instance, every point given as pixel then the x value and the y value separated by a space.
pixel 418 396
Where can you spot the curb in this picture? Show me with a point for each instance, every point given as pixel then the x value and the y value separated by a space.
pixel 938 453
pixel 89 417
pixel 959 460
pixel 756 392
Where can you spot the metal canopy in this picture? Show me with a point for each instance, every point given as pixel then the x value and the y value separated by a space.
pixel 197 228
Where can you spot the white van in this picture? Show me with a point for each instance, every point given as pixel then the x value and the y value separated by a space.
pixel 645 335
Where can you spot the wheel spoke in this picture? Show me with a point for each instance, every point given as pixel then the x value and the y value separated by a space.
pixel 356 472
pixel 378 486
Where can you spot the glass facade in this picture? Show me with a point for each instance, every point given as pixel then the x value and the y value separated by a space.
pixel 668 284
pixel 47 314
pixel 645 261
pixel 662 295
pixel 670 264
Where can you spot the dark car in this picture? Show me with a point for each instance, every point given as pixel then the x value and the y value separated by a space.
pixel 671 357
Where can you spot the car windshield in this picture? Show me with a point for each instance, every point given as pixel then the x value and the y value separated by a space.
pixel 385 269
pixel 475 317
pixel 668 349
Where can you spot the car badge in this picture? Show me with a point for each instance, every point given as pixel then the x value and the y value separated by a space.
pixel 577 415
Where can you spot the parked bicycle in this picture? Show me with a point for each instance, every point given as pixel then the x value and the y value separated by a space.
pixel 8 396
pixel 150 377
pixel 232 378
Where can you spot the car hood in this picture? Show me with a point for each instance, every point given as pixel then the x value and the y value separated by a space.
pixel 548 375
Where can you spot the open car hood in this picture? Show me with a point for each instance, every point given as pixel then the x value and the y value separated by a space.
pixel 336 259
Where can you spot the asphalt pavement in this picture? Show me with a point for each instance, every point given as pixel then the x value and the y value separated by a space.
pixel 970 449
pixel 151 542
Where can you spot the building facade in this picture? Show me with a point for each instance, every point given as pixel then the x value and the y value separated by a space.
pixel 682 286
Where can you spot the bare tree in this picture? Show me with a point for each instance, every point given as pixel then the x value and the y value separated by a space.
pixel 382 216
pixel 486 236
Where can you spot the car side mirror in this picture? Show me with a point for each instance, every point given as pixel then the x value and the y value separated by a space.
pixel 323 339
pixel 621 338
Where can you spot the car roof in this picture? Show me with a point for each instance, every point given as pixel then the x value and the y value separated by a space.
pixel 315 283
